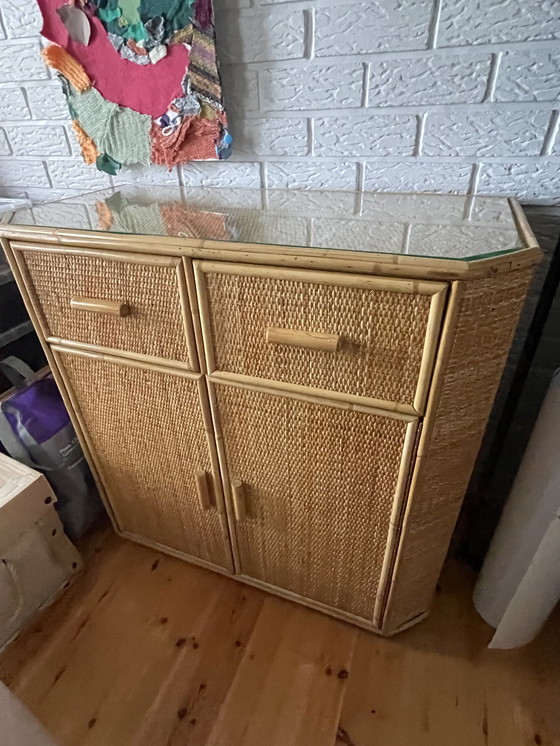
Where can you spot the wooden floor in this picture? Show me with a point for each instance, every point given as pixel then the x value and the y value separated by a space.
pixel 145 650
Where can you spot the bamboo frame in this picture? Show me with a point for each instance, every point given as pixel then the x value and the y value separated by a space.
pixel 390 265
pixel 348 401
pixel 392 285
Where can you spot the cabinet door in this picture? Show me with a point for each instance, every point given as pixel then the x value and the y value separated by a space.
pixel 314 490
pixel 148 433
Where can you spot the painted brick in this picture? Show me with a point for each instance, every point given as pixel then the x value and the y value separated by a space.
pixel 527 181
pixel 361 235
pixel 240 88
pixel 270 35
pixel 417 176
pixel 376 134
pixel 23 173
pixel 489 21
pixel 74 174
pixel 21 61
pixel 467 240
pixel 271 136
pixel 39 195
pixel 68 215
pixel 529 76
pixel 273 230
pixel 412 208
pixel 21 18
pixel 13 107
pixel 312 87
pixel 493 133
pixel 317 204
pixel 4 144
pixel 39 140
pixel 152 176
pixel 372 26
pixel 436 79
pixel 313 174
pixel 221 174
pixel 47 101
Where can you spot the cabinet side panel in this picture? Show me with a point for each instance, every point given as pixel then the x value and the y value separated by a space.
pixel 475 353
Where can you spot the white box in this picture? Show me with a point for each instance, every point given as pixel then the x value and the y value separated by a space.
pixel 37 559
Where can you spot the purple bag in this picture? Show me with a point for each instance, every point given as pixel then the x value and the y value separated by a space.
pixel 35 429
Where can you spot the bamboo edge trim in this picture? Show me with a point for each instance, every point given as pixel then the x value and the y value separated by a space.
pixel 195 312
pixel 188 330
pixel 114 352
pixel 319 399
pixel 113 256
pixel 205 318
pixel 205 564
pixel 207 421
pixel 429 351
pixel 522 224
pixel 224 473
pixel 400 498
pixel 446 343
pixel 128 362
pixel 395 285
pixel 309 603
pixel 282 387
pixel 327 259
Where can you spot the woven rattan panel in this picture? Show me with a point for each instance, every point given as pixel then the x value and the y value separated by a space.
pixel 383 334
pixel 153 327
pixel 487 319
pixel 148 435
pixel 319 484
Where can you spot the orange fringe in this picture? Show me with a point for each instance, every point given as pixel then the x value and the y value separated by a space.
pixel 89 151
pixel 59 59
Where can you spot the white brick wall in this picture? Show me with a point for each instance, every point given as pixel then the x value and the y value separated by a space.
pixel 433 95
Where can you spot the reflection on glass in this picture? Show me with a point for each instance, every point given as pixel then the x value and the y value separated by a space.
pixel 431 225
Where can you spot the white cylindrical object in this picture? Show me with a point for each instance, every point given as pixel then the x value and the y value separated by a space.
pixel 519 584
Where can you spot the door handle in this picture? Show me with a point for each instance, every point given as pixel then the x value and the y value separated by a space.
pixel 238 495
pixel 202 489
pixel 95 305
pixel 299 338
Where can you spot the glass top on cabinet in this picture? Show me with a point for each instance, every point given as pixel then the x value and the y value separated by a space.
pixel 428 225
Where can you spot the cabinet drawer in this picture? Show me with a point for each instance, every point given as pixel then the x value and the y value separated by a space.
pixel 363 336
pixel 149 290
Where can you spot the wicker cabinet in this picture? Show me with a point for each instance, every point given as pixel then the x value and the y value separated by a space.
pixel 305 419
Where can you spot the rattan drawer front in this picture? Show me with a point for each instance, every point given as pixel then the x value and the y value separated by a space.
pixel 357 335
pixel 314 489
pixel 149 438
pixel 150 289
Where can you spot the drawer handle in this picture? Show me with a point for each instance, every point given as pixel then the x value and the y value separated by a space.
pixel 93 305
pixel 202 489
pixel 238 494
pixel 297 338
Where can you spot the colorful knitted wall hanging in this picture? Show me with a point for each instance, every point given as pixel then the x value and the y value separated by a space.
pixel 141 79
